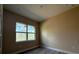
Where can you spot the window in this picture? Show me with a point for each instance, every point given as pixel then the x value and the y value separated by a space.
pixel 20 32
pixel 25 32
pixel 31 32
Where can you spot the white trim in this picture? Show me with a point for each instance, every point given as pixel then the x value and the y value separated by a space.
pixel 25 50
pixel 60 50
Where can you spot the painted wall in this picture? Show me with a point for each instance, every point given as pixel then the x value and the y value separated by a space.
pixel 9 44
pixel 0 28
pixel 0 32
pixel 62 31
pixel 0 25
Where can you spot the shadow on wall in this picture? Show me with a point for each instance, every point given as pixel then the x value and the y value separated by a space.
pixel 62 31
pixel 0 27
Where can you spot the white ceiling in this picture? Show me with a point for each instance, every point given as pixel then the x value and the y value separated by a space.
pixel 37 11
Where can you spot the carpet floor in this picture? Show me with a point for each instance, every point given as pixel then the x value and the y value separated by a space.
pixel 43 51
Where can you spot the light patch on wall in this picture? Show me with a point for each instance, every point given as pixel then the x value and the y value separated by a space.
pixel 47 36
pixel 62 31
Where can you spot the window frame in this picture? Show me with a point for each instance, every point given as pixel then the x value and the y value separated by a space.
pixel 31 32
pixel 26 33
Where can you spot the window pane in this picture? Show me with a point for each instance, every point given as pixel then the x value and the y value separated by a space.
pixel 31 36
pixel 31 28
pixel 20 27
pixel 20 37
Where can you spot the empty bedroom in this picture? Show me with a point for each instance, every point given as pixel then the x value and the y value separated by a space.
pixel 40 29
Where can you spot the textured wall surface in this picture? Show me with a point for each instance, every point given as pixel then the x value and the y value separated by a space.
pixel 0 25
pixel 62 31
pixel 0 28
pixel 0 31
pixel 9 33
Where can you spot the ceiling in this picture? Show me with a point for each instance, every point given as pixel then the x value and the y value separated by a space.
pixel 0 9
pixel 37 11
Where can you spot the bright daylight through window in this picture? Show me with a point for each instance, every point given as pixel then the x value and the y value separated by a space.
pixel 25 32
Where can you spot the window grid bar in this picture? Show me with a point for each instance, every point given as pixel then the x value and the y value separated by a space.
pixel 21 32
pixel 27 32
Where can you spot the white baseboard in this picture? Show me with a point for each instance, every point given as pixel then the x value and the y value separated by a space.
pixel 59 50
pixel 24 50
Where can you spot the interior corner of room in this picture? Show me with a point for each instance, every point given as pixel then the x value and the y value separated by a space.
pixel 41 29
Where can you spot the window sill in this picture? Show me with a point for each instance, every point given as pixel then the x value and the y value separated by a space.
pixel 25 41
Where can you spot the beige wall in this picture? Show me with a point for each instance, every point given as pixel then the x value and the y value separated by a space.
pixel 62 31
